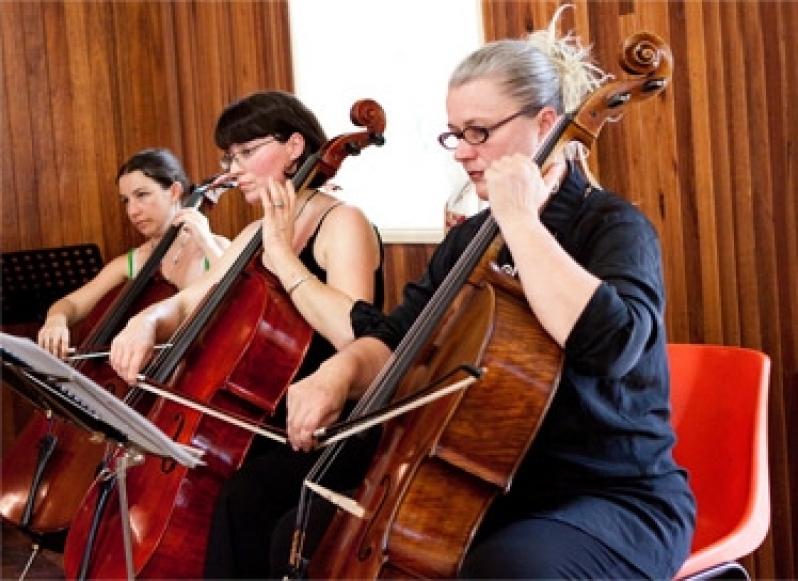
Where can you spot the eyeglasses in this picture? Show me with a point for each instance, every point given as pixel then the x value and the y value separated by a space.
pixel 243 154
pixel 473 134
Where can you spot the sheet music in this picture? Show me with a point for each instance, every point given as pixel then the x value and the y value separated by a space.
pixel 84 393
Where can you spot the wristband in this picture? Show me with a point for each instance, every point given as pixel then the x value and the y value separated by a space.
pixel 296 284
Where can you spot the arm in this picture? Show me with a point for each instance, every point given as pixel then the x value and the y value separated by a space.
pixel 318 399
pixel 195 224
pixel 556 286
pixel 73 308
pixel 347 248
pixel 605 303
pixel 132 348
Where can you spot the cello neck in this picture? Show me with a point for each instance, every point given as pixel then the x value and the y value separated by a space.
pixel 119 310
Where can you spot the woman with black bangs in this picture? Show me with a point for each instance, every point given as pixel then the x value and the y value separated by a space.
pixel 327 255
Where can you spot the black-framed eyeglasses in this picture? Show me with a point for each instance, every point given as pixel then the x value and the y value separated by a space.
pixel 473 134
pixel 243 154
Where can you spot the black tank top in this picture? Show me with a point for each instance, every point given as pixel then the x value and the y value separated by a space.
pixel 320 349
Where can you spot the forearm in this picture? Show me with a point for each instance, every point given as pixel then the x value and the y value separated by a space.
pixel 357 365
pixel 213 247
pixel 325 306
pixel 556 287
pixel 62 312
pixel 163 318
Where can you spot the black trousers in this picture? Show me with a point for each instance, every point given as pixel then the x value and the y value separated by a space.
pixel 535 548
pixel 263 490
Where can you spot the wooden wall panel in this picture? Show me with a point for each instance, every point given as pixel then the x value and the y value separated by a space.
pixel 86 84
pixel 403 263
pixel 712 162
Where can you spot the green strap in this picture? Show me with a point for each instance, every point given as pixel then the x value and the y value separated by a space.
pixel 130 262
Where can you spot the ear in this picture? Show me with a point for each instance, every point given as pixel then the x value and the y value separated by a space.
pixel 548 117
pixel 296 145
pixel 176 192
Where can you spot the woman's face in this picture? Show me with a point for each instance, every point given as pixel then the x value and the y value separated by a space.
pixel 254 162
pixel 149 206
pixel 481 103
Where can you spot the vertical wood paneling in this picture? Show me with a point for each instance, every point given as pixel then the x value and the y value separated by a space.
pixel 41 125
pixel 403 263
pixel 90 90
pixel 64 168
pixel 780 200
pixel 18 176
pixel 86 84
pixel 719 172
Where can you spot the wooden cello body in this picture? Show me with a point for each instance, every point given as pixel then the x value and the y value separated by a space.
pixel 236 355
pixel 441 481
pixel 240 364
pixel 54 462
pixel 439 468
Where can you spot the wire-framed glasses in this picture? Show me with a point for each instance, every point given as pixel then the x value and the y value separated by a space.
pixel 243 154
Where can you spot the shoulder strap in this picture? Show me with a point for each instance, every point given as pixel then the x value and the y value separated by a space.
pixel 130 262
pixel 312 236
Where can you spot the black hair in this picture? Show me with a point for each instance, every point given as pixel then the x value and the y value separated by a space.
pixel 157 164
pixel 270 113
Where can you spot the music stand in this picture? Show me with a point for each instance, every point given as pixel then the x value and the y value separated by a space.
pixel 32 280
pixel 54 386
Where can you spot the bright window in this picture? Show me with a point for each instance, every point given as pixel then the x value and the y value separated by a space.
pixel 399 53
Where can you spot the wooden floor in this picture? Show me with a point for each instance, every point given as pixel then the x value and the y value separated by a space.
pixel 16 550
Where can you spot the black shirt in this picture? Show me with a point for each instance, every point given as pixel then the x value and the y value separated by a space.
pixel 602 459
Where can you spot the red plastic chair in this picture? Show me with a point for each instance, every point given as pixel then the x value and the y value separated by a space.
pixel 719 400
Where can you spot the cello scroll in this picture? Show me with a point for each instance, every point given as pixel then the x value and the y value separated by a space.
pixel 643 54
pixel 326 162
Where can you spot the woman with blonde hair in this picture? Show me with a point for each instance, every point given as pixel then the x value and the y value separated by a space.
pixel 598 494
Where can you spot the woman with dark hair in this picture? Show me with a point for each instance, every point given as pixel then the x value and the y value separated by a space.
pixel 152 184
pixel 327 256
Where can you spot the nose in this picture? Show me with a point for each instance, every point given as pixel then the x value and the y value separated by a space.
pixel 464 150
pixel 133 207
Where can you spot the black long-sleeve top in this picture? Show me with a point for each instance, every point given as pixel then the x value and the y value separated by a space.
pixel 602 459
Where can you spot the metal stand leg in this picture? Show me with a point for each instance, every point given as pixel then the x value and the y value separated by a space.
pixel 131 457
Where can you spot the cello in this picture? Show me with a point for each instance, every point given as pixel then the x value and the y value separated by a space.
pixel 227 369
pixel 41 491
pixel 440 467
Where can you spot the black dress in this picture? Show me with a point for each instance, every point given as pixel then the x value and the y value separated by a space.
pixel 269 481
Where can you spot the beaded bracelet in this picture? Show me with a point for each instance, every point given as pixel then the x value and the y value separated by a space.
pixel 295 285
